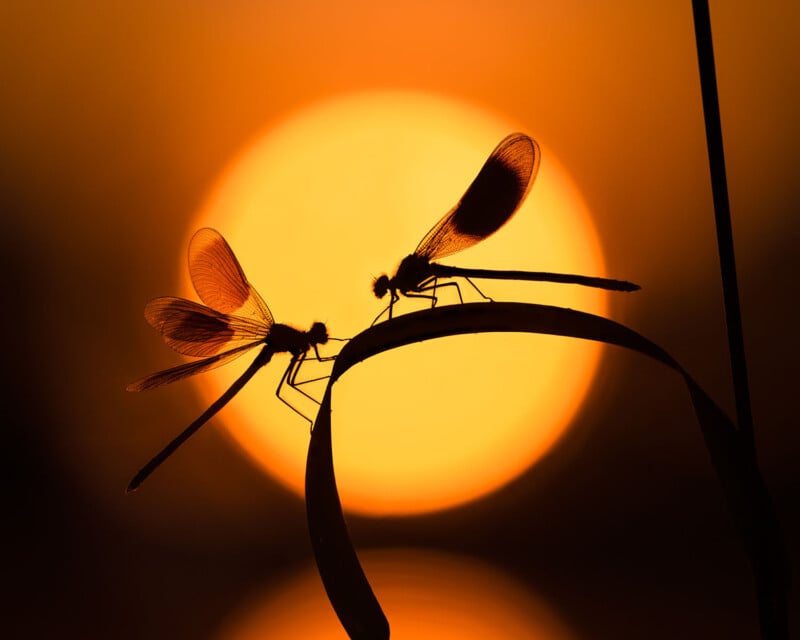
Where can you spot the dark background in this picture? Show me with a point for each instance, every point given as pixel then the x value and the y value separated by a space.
pixel 115 119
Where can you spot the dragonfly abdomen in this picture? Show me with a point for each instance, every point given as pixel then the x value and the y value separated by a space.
pixel 446 271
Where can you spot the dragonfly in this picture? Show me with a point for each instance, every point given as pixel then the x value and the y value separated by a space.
pixel 232 320
pixel 489 202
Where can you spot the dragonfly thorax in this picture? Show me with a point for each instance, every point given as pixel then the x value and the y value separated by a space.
pixel 413 271
pixel 282 337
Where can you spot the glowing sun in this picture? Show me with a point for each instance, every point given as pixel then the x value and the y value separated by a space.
pixel 338 194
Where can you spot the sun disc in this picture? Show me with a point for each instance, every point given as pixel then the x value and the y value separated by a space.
pixel 333 197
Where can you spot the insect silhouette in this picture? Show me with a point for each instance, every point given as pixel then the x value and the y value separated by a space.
pixel 488 203
pixel 233 319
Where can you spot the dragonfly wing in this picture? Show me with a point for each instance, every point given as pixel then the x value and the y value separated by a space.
pixel 187 369
pixel 195 330
pixel 494 195
pixel 219 279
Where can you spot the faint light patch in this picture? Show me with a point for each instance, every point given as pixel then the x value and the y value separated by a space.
pixel 426 595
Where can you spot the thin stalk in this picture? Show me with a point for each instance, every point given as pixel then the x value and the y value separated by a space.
pixel 771 572
pixel 722 216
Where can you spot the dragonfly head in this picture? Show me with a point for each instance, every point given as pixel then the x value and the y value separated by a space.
pixel 380 286
pixel 318 334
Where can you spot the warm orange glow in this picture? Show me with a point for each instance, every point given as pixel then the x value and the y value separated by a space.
pixel 425 596
pixel 337 195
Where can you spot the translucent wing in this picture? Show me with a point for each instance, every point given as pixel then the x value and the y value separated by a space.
pixel 195 330
pixel 174 374
pixel 219 280
pixel 497 191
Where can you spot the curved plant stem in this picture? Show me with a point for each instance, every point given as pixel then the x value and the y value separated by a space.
pixel 347 586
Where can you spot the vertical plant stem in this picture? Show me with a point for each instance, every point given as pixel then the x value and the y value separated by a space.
pixel 722 216
pixel 765 546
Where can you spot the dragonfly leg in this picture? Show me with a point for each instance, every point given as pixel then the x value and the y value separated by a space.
pixel 458 290
pixel 427 296
pixel 395 297
pixel 287 378
pixel 378 317
pixel 386 309
pixel 318 357
pixel 295 383
pixel 435 280
pixel 428 284
pixel 482 294
pixel 291 378
pixel 432 285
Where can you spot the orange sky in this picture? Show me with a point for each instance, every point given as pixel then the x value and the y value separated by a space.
pixel 116 118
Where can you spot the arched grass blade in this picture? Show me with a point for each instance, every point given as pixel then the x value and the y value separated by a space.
pixel 345 583
pixel 731 456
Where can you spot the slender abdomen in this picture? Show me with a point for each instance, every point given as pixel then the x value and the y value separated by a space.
pixel 445 271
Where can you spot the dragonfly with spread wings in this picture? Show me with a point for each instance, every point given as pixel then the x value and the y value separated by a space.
pixel 233 319
pixel 488 203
